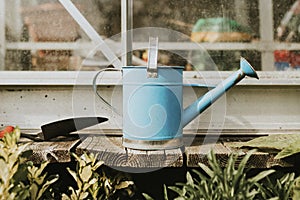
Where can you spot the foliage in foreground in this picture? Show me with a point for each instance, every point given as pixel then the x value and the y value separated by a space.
pixel 216 183
pixel 285 145
pixel 232 183
pixel 277 189
pixel 92 185
pixel 19 178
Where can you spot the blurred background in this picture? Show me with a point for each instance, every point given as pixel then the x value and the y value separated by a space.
pixel 41 35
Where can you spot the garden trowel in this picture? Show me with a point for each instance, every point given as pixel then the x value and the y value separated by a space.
pixel 63 127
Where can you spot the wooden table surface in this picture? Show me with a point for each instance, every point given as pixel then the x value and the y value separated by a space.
pixel 108 147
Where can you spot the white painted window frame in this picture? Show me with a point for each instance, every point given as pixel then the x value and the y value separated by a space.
pixel 266 45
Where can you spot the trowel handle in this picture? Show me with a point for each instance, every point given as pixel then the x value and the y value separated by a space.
pixel 96 91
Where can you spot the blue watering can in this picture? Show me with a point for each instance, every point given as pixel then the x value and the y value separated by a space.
pixel 153 114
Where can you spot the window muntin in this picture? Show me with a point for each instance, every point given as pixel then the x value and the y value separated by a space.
pixel 41 35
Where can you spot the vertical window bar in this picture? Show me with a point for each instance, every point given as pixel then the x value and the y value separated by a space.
pixel 126 28
pixel 2 35
pixel 266 33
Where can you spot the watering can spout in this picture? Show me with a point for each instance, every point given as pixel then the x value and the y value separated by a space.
pixel 201 104
pixel 247 69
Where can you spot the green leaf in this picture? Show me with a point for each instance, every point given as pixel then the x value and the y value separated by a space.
pixel 85 187
pixel 73 194
pixel 214 164
pixel 296 189
pixel 274 198
pixel 123 185
pixel 97 165
pixel 179 191
pixel 4 170
pixel 207 170
pixel 261 176
pixel 46 185
pixel 84 195
pixel 291 149
pixel 189 179
pixel 181 198
pixel 147 197
pixel 107 187
pixel 86 173
pixel 92 181
pixel 245 159
pixel 165 193
pixel 41 179
pixel 65 197
pixel 200 175
pixel 74 175
pixel 273 141
pixel 33 191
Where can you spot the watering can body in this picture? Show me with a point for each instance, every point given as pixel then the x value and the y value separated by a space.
pixel 153 114
pixel 152 108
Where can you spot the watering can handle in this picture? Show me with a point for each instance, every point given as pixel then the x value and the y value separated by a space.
pixel 152 58
pixel 96 91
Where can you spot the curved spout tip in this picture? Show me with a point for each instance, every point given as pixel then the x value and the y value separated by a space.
pixel 247 69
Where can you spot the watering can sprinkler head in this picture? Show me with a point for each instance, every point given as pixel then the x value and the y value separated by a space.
pixel 201 104
pixel 247 69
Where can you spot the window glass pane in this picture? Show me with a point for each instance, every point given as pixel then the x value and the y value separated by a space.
pixel 41 34
pixel 287 30
pixel 209 22
pixel 31 25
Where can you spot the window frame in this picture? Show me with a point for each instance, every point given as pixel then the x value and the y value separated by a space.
pixel 266 46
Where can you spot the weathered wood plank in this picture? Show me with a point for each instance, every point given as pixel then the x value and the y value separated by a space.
pixel 260 159
pixel 197 152
pixel 54 151
pixel 159 158
pixel 107 149
pixel 111 151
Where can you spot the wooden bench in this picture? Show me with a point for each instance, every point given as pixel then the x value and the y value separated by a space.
pixel 108 147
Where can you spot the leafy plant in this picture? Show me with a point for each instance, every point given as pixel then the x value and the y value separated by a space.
pixel 296 189
pixel 216 183
pixel 91 184
pixel 289 150
pixel 275 142
pixel 20 179
pixel 85 177
pixel 10 160
pixel 38 183
pixel 147 197
pixel 284 145
pixel 277 189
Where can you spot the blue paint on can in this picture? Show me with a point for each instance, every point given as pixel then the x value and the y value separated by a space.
pixel 152 107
